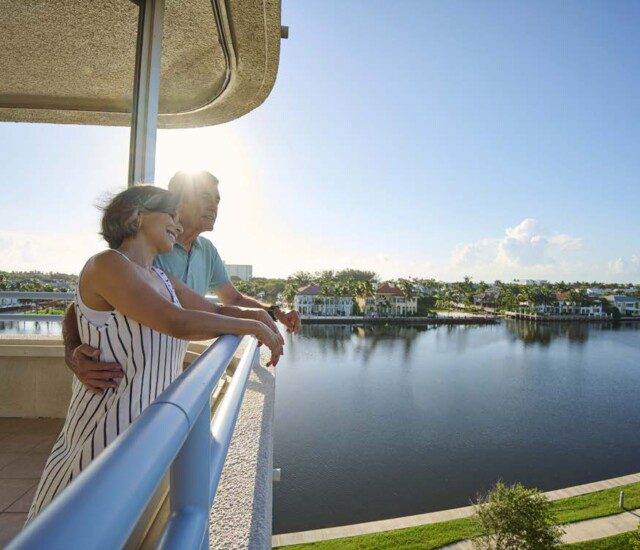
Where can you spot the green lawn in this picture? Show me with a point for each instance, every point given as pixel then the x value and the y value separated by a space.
pixel 596 505
pixel 617 542
pixel 427 537
pixel 48 311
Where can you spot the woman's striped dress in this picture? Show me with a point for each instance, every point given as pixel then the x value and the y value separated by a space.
pixel 151 361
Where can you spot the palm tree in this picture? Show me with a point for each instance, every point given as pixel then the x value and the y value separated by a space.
pixel 300 278
pixel 364 290
pixel 289 294
pixel 407 287
pixel 578 297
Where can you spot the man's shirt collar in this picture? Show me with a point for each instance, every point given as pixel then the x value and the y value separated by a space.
pixel 196 244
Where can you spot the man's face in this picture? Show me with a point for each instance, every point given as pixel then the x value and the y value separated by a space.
pixel 200 210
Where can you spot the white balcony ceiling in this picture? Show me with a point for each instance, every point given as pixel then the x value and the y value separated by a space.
pixel 72 61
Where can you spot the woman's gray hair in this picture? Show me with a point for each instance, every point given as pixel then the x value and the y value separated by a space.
pixel 120 213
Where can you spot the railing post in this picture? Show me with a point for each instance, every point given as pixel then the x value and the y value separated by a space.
pixel 146 93
pixel 189 493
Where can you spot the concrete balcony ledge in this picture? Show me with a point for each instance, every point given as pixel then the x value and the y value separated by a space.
pixel 35 381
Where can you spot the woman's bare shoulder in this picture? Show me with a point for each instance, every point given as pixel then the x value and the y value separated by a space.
pixel 106 262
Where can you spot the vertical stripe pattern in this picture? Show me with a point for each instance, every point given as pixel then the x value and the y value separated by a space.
pixel 151 361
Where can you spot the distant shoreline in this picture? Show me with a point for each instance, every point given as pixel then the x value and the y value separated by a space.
pixel 466 320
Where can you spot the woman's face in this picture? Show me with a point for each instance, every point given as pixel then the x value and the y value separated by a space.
pixel 160 230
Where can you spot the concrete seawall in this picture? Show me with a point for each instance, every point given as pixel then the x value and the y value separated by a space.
pixel 467 320
pixel 557 318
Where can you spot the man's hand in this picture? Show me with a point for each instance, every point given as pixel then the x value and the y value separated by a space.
pixel 262 316
pixel 290 319
pixel 96 376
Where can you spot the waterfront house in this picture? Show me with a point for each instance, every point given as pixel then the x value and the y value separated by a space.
pixel 564 304
pixel 567 306
pixel 486 298
pixel 388 301
pixel 626 305
pixel 311 300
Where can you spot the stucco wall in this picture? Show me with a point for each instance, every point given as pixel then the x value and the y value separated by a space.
pixel 34 381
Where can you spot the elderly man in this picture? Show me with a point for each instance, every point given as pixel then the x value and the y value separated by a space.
pixel 196 262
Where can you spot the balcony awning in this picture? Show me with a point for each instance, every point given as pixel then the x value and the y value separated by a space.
pixel 72 61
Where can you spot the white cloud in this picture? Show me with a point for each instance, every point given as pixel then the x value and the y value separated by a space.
pixel 625 269
pixel 525 250
pixel 64 252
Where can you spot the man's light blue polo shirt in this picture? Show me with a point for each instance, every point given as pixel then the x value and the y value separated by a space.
pixel 200 269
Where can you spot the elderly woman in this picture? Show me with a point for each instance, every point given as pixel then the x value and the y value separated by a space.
pixel 138 317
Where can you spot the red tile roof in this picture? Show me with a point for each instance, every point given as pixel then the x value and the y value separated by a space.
pixel 388 289
pixel 310 290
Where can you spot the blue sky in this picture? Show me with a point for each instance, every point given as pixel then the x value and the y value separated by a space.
pixel 493 139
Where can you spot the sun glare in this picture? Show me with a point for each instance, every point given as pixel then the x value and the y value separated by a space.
pixel 222 152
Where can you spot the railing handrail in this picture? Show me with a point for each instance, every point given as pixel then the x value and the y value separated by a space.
pixel 101 507
pixel 28 295
pixel 60 296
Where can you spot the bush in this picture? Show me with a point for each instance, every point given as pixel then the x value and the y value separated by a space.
pixel 634 539
pixel 512 517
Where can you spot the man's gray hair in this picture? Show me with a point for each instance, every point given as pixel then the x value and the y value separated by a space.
pixel 185 183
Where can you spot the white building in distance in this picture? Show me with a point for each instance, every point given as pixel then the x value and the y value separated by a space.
pixel 310 300
pixel 388 301
pixel 244 272
pixel 531 282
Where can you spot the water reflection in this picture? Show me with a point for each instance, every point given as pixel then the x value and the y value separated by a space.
pixel 31 328
pixel 370 338
pixel 365 339
pixel 576 333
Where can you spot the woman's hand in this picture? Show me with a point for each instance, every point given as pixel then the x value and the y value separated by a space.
pixel 270 339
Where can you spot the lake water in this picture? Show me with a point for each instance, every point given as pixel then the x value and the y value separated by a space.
pixel 383 422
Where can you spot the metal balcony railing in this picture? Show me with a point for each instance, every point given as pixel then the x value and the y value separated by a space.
pixel 59 296
pixel 16 294
pixel 101 507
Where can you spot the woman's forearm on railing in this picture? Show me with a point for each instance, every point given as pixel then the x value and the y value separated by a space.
pixel 200 325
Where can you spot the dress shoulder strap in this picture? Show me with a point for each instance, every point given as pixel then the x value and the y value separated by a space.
pixel 121 254
pixel 167 283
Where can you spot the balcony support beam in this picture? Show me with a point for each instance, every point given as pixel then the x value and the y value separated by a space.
pixel 146 93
